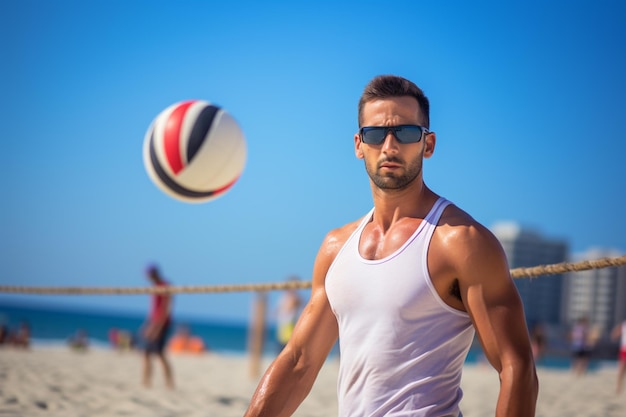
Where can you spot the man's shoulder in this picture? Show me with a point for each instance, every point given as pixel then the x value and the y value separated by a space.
pixel 340 235
pixel 331 246
pixel 336 238
pixel 456 226
pixel 466 249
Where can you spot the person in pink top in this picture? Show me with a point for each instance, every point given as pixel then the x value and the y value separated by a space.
pixel 156 329
pixel 404 288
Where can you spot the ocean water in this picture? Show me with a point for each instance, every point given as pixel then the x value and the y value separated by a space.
pixel 53 325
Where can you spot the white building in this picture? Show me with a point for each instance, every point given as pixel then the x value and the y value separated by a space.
pixel 598 294
pixel 524 247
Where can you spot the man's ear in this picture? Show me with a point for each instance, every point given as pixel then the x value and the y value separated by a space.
pixel 430 140
pixel 357 146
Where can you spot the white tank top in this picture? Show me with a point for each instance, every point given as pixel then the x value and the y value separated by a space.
pixel 402 348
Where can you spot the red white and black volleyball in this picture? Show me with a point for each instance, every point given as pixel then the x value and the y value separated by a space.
pixel 194 151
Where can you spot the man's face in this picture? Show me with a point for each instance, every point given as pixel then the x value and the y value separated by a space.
pixel 153 275
pixel 392 165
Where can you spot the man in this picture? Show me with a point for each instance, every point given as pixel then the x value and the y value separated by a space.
pixel 404 288
pixel 156 330
pixel 580 343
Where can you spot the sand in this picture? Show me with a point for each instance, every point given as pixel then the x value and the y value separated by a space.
pixel 55 381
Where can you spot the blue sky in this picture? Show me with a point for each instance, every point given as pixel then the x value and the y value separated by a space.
pixel 527 100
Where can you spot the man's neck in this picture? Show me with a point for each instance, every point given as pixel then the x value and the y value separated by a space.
pixel 393 205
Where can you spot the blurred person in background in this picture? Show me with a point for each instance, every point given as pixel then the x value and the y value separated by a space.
pixel 156 329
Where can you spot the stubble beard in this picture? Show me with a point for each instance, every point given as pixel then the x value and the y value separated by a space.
pixel 392 181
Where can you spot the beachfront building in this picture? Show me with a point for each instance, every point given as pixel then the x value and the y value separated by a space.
pixel 524 247
pixel 597 294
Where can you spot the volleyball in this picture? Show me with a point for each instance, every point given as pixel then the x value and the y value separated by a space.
pixel 194 151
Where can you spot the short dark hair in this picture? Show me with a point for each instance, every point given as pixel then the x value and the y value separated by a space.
pixel 152 269
pixel 385 86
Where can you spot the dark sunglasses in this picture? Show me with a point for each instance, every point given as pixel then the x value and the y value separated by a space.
pixel 375 135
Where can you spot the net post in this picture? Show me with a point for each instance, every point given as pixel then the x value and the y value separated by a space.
pixel 256 337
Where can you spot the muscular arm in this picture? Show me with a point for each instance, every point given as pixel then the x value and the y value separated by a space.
pixel 288 380
pixel 493 303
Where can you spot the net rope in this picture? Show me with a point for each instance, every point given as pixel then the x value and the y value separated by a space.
pixel 529 272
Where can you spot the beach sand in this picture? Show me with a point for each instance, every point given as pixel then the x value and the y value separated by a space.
pixel 55 381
